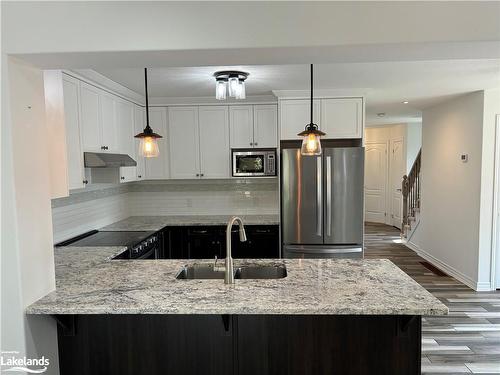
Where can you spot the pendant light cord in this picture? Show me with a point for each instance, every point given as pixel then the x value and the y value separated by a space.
pixel 146 89
pixel 311 94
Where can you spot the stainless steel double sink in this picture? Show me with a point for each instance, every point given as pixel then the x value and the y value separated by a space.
pixel 207 272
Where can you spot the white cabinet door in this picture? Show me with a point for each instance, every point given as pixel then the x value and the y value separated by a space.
pixel 265 133
pixel 139 125
pixel 126 143
pixel 241 126
pixel 184 144
pixel 295 115
pixel 214 142
pixel 342 118
pixel 90 118
pixel 72 126
pixel 157 168
pixel 109 139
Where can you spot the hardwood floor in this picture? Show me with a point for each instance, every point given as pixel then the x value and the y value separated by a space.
pixel 467 341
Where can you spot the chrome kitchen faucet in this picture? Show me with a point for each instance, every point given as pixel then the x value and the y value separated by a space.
pixel 229 272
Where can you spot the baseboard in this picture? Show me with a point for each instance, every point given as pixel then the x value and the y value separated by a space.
pixel 452 271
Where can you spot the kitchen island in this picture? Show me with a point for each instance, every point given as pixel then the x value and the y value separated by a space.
pixel 324 317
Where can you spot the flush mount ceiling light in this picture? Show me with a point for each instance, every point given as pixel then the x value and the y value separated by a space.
pixel 231 82
pixel 148 146
pixel 311 144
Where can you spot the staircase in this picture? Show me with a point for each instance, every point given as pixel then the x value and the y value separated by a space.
pixel 411 197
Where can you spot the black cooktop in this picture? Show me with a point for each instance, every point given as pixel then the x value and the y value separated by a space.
pixel 96 238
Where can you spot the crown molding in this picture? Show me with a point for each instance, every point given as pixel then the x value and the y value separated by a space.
pixel 210 100
pixel 92 77
pixel 321 93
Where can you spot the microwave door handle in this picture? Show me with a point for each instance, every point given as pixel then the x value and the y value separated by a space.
pixel 319 196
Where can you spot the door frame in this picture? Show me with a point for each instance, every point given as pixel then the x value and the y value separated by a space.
pixel 495 240
pixel 390 218
pixel 386 172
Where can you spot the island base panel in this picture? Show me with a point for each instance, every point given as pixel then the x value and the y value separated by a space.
pixel 239 344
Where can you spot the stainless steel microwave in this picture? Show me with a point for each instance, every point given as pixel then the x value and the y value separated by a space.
pixel 254 162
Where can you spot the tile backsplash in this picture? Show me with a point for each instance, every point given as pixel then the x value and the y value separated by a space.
pixel 99 206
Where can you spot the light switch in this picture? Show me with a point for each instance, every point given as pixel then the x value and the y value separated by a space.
pixel 464 158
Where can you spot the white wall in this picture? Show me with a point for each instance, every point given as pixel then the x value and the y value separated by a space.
pixel 27 252
pixel 413 142
pixel 456 210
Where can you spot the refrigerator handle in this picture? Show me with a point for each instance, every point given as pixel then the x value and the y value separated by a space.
pixel 319 197
pixel 328 195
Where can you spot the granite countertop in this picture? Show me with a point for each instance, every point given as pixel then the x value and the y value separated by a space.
pixel 88 282
pixel 154 223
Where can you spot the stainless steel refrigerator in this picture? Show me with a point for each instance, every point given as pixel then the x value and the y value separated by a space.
pixel 322 203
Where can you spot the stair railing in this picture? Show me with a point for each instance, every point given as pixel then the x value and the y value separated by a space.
pixel 411 194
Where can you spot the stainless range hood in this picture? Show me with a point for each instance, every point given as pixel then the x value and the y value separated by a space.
pixel 105 160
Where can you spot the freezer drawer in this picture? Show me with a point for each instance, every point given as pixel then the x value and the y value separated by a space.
pixel 322 252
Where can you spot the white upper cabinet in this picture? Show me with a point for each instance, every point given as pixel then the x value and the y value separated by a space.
pixel 126 144
pixel 295 115
pixel 337 117
pixel 90 118
pixel 184 143
pixel 241 126
pixel 109 138
pixel 139 125
pixel 342 118
pixel 157 168
pixel 253 126
pixel 214 142
pixel 74 152
pixel 265 129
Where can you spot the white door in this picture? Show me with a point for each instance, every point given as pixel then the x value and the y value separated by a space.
pixel 214 142
pixel 72 126
pixel 295 115
pixel 139 125
pixel 265 133
pixel 126 143
pixel 342 118
pixel 90 118
pixel 397 170
pixel 157 167
pixel 184 143
pixel 241 126
pixel 109 138
pixel 375 182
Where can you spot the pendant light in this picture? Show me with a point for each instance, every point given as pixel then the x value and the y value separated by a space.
pixel 148 145
pixel 311 144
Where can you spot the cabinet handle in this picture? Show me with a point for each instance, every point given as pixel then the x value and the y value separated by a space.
pixel 103 147
pixel 85 182
pixel 197 175
pixel 107 147
pixel 255 144
pixel 251 144
pixel 202 175
pixel 123 178
pixel 139 176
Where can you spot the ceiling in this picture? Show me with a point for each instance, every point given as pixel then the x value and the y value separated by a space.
pixel 385 84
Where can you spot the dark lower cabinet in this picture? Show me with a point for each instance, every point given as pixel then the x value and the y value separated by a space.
pixel 206 242
pixel 239 344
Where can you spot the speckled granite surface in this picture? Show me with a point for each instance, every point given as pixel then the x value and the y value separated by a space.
pixel 134 223
pixel 88 282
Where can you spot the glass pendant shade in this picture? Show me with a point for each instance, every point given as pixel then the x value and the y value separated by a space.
pixel 220 89
pixel 311 145
pixel 148 147
pixel 241 94
pixel 233 83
